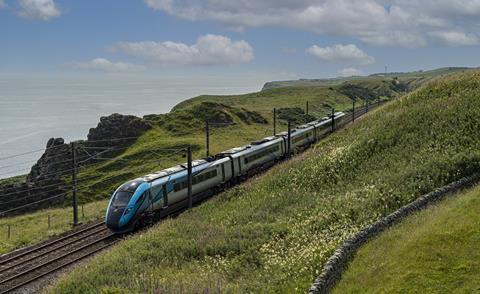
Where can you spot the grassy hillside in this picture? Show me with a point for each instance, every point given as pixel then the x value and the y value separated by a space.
pixel 434 251
pixel 274 234
pixel 321 99
pixel 413 79
pixel 251 118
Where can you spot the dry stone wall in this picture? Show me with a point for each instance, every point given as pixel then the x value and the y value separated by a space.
pixel 337 263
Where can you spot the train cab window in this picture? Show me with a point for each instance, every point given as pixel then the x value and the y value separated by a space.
pixel 122 198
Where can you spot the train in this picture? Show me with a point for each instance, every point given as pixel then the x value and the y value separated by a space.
pixel 165 191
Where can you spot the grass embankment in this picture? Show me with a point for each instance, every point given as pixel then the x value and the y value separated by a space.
pixel 32 228
pixel 177 129
pixel 274 234
pixel 434 251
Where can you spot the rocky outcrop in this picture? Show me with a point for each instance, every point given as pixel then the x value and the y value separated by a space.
pixel 16 199
pixel 112 129
pixel 49 179
pixel 55 161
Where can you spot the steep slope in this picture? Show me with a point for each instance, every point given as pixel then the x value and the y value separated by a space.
pixel 274 234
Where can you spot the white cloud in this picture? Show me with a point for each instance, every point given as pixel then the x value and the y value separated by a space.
pixel 456 38
pixel 102 64
pixel 349 72
pixel 208 50
pixel 341 53
pixel 38 9
pixel 381 22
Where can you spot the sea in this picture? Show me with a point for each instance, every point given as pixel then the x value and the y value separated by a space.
pixel 36 108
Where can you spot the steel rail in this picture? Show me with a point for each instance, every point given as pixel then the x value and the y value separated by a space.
pixel 34 248
pixel 36 277
pixel 51 250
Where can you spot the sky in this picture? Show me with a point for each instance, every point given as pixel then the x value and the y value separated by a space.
pixel 271 39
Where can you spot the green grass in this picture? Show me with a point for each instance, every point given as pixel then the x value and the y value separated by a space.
pixel 413 79
pixel 31 228
pixel 321 99
pixel 274 234
pixel 434 251
pixel 96 182
pixel 12 180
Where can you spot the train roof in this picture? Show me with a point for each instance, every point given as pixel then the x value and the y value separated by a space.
pixel 234 150
pixel 305 126
pixel 248 148
pixel 264 140
pixel 173 170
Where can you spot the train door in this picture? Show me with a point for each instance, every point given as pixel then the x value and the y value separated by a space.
pixel 165 195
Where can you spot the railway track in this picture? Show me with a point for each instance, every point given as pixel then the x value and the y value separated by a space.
pixel 21 268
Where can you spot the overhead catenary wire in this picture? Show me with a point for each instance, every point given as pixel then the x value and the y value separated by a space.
pixel 33 203
pixel 16 171
pixel 33 189
pixel 98 154
pixel 18 164
pixel 26 168
pixel 30 196
pixel 29 152
pixel 60 162
pixel 112 140
pixel 57 173
pixel 36 202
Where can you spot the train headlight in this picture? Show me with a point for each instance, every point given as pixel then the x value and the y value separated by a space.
pixel 127 211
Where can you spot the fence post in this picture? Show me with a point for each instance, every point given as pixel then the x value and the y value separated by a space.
pixel 83 213
pixel 189 176
pixel 49 221
pixel 333 119
pixel 366 104
pixel 274 121
pixel 353 113
pixel 207 138
pixel 306 108
pixel 289 136
pixel 8 231
pixel 74 184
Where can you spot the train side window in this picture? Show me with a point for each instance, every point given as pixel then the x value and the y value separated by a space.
pixel 261 154
pixel 196 179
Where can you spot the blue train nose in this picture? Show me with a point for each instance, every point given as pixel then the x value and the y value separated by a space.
pixel 113 217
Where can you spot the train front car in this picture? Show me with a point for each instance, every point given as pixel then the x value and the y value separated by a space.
pixel 127 205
